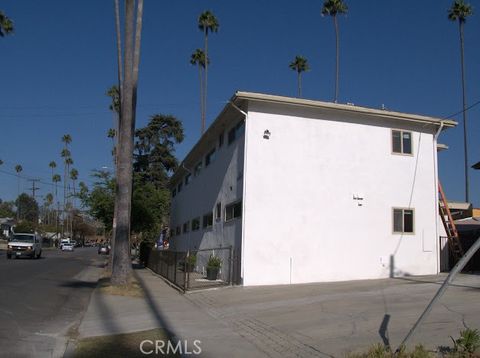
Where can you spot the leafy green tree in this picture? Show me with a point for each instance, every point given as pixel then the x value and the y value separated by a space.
pixel 7 209
pixel 25 227
pixel 27 208
pixel 198 59
pixel 155 149
pixel 299 65
pixel 6 25
pixel 459 11
pixel 114 95
pixel 333 8
pixel 207 22
pixel 100 200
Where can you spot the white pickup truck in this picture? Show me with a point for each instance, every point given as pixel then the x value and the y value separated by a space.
pixel 23 244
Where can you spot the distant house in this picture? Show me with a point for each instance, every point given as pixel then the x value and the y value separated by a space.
pixel 309 191
pixel 6 226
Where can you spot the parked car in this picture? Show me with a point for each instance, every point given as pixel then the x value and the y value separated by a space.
pixel 67 247
pixel 104 250
pixel 25 245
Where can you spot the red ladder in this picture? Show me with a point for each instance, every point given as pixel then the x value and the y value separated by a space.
pixel 454 243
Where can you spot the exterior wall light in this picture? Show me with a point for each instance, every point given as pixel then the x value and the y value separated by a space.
pixel 266 134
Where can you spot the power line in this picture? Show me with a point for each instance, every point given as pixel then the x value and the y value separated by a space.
pixel 460 112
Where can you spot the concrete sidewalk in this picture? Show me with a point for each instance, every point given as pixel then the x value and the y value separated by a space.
pixel 312 320
pixel 163 307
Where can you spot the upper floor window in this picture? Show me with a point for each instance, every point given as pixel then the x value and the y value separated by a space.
pixel 218 211
pixel 174 192
pixel 207 220
pixel 210 157
pixel 188 179
pixel 401 142
pixel 233 211
pixel 197 169
pixel 220 140
pixel 236 132
pixel 186 227
pixel 195 224
pixel 178 231
pixel 403 221
pixel 179 187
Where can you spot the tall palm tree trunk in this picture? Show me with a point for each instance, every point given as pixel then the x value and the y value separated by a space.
pixel 122 266
pixel 465 145
pixel 200 75
pixel 299 84
pixel 120 95
pixel 335 22
pixel 204 120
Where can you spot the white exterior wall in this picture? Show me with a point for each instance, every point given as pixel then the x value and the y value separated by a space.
pixel 221 181
pixel 301 223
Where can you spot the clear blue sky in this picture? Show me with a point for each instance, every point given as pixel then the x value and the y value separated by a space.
pixel 55 69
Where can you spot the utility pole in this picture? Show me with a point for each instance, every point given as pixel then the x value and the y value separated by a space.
pixel 34 188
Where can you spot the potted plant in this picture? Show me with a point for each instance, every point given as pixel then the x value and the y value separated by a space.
pixel 190 263
pixel 213 267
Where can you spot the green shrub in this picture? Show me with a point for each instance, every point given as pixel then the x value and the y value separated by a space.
pixel 469 341
pixel 214 262
pixel 191 260
pixel 381 351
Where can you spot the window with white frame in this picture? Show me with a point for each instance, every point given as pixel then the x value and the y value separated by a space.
pixel 401 142
pixel 210 157
pixel 236 132
pixel 233 211
pixel 403 221
pixel 188 179
pixel 207 220
pixel 197 169
pixel 218 211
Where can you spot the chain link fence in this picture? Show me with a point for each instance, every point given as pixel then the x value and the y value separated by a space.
pixel 194 269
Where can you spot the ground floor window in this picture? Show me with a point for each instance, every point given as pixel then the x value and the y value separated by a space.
pixel 403 220
pixel 233 210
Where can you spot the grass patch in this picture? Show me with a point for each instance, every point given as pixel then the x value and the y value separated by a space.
pixel 121 345
pixel 132 289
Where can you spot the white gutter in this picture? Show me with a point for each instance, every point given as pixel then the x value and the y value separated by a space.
pixel 242 254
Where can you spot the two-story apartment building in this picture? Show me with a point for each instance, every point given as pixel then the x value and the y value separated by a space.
pixel 309 191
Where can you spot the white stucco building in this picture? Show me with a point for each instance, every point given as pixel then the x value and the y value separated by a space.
pixel 309 191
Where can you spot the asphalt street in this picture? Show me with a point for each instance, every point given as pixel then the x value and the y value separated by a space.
pixel 43 300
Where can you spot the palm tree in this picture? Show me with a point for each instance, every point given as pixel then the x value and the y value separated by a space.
pixel 67 139
pixel 207 22
pixel 198 59
pixel 299 64
pixel 6 25
pixel 56 178
pixel 460 11
pixel 48 203
pixel 18 169
pixel 122 266
pixel 332 8
pixel 52 165
pixel 74 177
